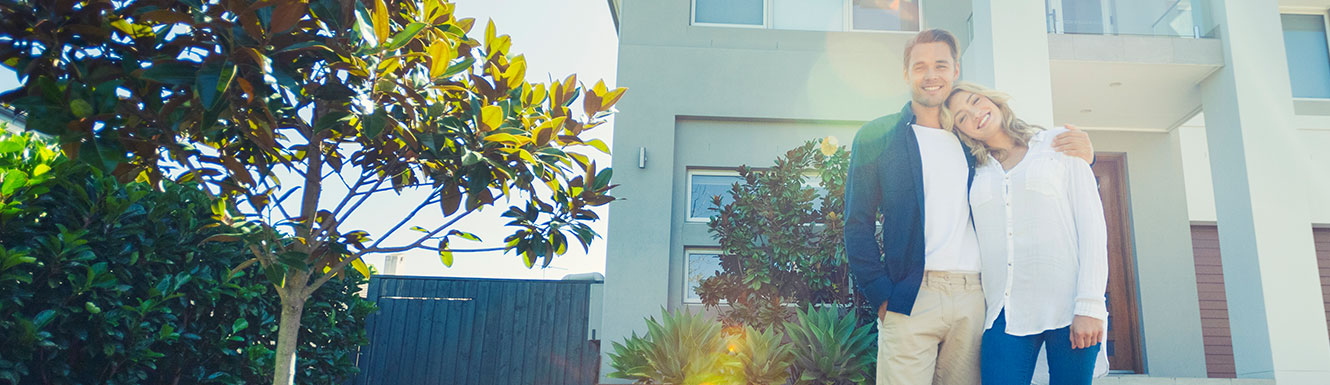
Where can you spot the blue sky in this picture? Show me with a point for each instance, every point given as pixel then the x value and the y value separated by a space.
pixel 558 38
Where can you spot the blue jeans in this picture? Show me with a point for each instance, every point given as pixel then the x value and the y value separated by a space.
pixel 1009 360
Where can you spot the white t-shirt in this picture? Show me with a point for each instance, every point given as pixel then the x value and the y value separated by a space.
pixel 950 243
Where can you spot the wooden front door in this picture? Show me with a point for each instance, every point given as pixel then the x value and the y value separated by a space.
pixel 1123 346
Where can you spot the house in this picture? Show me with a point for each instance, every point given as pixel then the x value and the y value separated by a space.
pixel 1211 120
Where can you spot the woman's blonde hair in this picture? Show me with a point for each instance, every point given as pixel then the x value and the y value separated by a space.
pixel 1018 129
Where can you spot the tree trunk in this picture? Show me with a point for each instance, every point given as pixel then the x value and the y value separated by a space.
pixel 288 335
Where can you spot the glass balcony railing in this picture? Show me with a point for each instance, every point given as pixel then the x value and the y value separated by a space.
pixel 1175 18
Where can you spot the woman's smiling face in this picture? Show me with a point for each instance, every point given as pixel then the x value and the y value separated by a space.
pixel 975 115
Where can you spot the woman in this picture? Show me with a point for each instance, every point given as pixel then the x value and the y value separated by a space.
pixel 1043 243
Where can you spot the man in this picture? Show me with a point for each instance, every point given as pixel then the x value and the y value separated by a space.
pixel 925 276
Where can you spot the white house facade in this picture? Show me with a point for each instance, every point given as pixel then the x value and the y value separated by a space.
pixel 1211 119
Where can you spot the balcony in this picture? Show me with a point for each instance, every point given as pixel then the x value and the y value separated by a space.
pixel 1168 18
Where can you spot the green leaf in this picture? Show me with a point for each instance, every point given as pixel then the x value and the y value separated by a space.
pixel 171 72
pixel 603 178
pixel 401 38
pixel 239 325
pixel 43 318
pixel 374 124
pixel 11 144
pixel 460 66
pixel 470 158
pixel 14 179
pixel 80 108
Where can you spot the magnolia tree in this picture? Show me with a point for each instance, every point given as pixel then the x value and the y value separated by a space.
pixel 375 98
pixel 781 237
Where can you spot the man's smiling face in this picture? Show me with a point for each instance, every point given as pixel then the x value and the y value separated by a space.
pixel 931 72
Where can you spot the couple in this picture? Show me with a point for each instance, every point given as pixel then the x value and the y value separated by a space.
pixel 967 190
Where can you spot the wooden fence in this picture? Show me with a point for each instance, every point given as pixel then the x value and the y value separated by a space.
pixel 432 330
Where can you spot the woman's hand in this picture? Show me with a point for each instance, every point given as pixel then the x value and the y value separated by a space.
pixel 1086 331
pixel 1075 143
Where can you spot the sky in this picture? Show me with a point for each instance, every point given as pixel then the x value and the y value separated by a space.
pixel 558 38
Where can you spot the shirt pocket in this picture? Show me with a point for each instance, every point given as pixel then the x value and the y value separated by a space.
pixel 1045 176
pixel 981 190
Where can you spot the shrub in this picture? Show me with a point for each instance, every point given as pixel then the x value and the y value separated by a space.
pixel 764 357
pixel 629 360
pixel 830 349
pixel 109 283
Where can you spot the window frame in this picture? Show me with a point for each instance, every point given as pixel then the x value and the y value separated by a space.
pixel 685 295
pixel 1325 23
pixel 768 22
pixel 688 195
pixel 766 18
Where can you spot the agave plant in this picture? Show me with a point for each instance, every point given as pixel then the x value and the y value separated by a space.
pixel 765 359
pixel 629 360
pixel 830 349
pixel 688 349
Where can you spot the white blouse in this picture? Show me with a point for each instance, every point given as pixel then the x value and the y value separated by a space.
pixel 1042 239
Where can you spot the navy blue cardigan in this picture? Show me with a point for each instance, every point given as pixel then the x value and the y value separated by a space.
pixel 886 176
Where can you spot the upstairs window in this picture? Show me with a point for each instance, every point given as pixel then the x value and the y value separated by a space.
pixel 810 15
pixel 1308 55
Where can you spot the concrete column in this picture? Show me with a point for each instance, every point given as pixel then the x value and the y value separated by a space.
pixel 1010 54
pixel 1276 313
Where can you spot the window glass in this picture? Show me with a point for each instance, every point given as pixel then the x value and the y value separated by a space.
pixel 702 190
pixel 809 15
pixel 1308 57
pixel 886 15
pixel 745 12
pixel 702 264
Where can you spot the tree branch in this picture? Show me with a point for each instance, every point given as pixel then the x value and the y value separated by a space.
pixel 358 203
pixel 341 265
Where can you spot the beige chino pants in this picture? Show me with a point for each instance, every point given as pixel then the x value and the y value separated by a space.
pixel 938 343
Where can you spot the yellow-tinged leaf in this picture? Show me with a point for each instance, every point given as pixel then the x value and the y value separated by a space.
pixel 508 138
pixel 612 97
pixel 569 83
pixel 516 73
pixel 381 22
pixel 829 145
pixel 491 117
pixel 440 53
pixel 360 267
pixel 538 94
pixel 446 256
pixel 528 259
pixel 489 35
pixel 599 88
pixel 466 23
pixel 599 145
pixel 527 157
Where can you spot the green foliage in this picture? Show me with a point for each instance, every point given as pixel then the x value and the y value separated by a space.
pixel 682 348
pixel 765 359
pixel 830 349
pixel 629 360
pixel 781 239
pixel 231 94
pixel 111 284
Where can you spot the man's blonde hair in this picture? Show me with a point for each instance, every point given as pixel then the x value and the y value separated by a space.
pixel 1018 129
